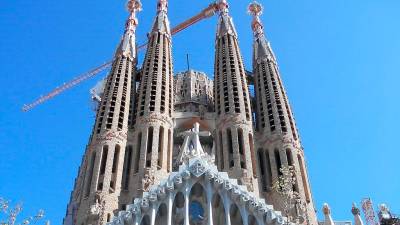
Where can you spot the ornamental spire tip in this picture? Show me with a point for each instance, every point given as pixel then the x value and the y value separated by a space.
pixel 255 9
pixel 162 5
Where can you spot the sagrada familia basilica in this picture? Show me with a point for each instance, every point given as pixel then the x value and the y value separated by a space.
pixel 185 149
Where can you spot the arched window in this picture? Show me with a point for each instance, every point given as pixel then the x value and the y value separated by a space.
pixel 230 148
pixel 137 157
pixel 169 151
pixel 90 174
pixel 149 146
pixel 262 169
pixel 241 148
pixel 278 161
pixel 221 150
pixel 104 160
pixel 160 147
pixel 268 168
pixel 127 168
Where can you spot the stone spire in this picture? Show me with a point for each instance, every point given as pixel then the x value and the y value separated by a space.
pixel 232 104
pixel 153 128
pixel 356 213
pixel 278 143
pixel 327 213
pixel 97 188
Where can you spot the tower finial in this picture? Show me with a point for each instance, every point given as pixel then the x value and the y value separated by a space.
pixel 222 6
pixel 162 5
pixel 255 9
pixel 133 7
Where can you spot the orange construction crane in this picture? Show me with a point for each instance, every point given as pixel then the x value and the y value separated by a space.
pixel 205 13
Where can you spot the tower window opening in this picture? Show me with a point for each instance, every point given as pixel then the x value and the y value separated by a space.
pixel 116 158
pixel 127 167
pixel 278 162
pixel 90 174
pixel 262 169
pixel 230 147
pixel 160 147
pixel 149 146
pixel 221 151
pixel 241 148
pixel 138 147
pixel 269 168
pixel 104 160
pixel 169 152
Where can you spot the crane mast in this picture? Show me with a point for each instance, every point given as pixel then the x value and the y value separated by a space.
pixel 205 13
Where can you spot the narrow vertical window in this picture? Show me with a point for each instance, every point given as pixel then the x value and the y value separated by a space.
pixel 269 169
pixel 230 148
pixel 127 168
pixel 241 148
pixel 90 174
pixel 137 157
pixel 262 169
pixel 160 147
pixel 116 158
pixel 169 151
pixel 104 160
pixel 149 146
pixel 278 161
pixel 221 150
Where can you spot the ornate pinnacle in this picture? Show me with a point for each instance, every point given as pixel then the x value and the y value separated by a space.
pixel 355 210
pixel 326 210
pixel 222 6
pixel 133 7
pixel 162 5
pixel 255 9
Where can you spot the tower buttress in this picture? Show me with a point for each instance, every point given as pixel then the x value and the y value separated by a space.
pixel 278 142
pixel 153 128
pixel 234 131
pixel 95 196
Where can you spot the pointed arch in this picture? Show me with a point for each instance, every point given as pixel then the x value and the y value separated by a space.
pixel 236 217
pixel 197 204
pixel 162 215
pixel 218 215
pixel 178 209
pixel 252 220
pixel 145 220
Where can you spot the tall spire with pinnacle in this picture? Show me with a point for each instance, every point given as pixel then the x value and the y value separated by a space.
pixel 279 144
pixel 97 189
pixel 234 129
pixel 153 128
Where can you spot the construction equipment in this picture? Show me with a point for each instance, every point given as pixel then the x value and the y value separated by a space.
pixel 205 13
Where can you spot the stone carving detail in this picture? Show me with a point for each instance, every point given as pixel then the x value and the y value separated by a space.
pixel 110 135
pixel 147 181
pixel 197 169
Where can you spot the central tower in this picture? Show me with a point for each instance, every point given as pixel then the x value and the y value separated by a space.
pixel 234 129
pixel 154 125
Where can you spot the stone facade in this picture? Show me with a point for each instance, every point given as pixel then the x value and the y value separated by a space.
pixel 137 143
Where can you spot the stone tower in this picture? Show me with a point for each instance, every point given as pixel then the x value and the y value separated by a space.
pixel 96 193
pixel 234 130
pixel 153 128
pixel 278 141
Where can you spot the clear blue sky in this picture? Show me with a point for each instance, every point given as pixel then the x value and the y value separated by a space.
pixel 338 59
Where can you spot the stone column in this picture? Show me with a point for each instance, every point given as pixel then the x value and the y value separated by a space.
pixel 187 192
pixel 209 203
pixel 170 205
pixel 153 215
